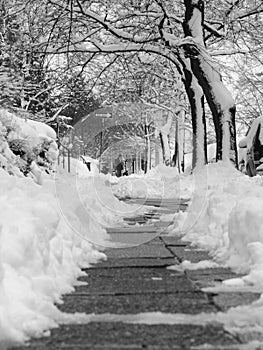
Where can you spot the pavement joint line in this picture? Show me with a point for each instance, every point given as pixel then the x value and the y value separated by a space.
pixel 91 346
pixel 209 297
pixel 133 259
pixel 131 267
pixel 178 292
pixel 170 250
pixel 212 302
pixel 195 291
pixel 141 258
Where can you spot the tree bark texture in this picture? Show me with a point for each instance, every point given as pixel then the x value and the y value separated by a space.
pixel 206 72
pixel 196 99
pixel 164 131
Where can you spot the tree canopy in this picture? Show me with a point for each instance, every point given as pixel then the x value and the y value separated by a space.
pixel 146 51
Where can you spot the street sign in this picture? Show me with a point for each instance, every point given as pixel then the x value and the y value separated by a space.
pixel 104 115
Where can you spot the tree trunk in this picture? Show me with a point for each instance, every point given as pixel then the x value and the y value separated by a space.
pixel 218 97
pixel 162 146
pixel 176 147
pixel 196 99
pixel 147 165
pixel 181 140
pixel 164 132
pixel 156 143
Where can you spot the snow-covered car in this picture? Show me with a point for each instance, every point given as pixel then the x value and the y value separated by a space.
pixel 251 149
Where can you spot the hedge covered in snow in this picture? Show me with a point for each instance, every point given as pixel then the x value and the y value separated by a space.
pixel 26 146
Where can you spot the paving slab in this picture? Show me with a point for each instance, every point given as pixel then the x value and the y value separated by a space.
pixel 157 240
pixel 136 262
pixel 134 281
pixel 132 239
pixel 181 302
pixel 131 229
pixel 174 241
pixel 133 235
pixel 191 254
pixel 131 336
pixel 227 300
pixel 208 277
pixel 167 210
pixel 136 218
pixel 160 200
pixel 141 251
pixel 162 224
pixel 167 204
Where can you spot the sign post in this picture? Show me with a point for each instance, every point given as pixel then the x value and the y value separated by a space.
pixel 103 116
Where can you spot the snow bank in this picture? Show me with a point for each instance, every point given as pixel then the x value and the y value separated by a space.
pixel 47 233
pixel 159 182
pixel 230 225
pixel 49 229
pixel 40 258
pixel 224 216
pixel 91 196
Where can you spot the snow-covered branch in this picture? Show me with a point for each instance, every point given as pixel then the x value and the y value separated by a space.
pixel 119 33
pixel 243 51
pixel 53 118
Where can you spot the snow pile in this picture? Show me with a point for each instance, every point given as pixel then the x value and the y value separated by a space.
pixel 230 224
pixel 91 197
pixel 41 255
pixel 188 265
pixel 47 233
pixel 224 216
pixel 159 182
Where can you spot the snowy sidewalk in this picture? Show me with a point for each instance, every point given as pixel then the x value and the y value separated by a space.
pixel 136 280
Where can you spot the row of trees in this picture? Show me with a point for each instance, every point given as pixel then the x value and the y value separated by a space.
pixel 168 54
pixel 33 84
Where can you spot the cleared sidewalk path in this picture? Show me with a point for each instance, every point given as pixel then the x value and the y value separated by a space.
pixel 136 280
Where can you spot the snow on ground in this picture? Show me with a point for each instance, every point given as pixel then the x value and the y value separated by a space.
pixel 48 232
pixel 224 215
pixel 225 218
pixel 188 265
pixel 41 256
pixel 91 196
pixel 159 182
pixel 230 225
